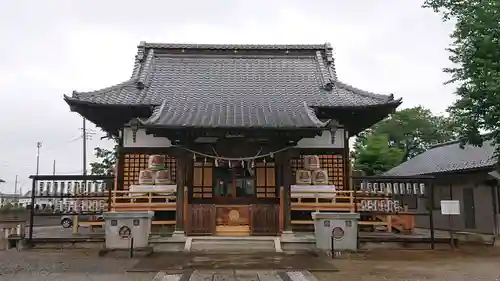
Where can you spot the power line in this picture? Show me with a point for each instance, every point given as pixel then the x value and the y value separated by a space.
pixel 64 143
pixel 45 149
pixel 89 133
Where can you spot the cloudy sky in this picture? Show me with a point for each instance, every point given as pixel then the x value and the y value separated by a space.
pixel 52 47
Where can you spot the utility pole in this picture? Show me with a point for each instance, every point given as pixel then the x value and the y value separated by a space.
pixel 38 146
pixel 15 186
pixel 53 173
pixel 84 129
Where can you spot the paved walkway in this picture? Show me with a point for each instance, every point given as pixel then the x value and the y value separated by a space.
pixel 235 275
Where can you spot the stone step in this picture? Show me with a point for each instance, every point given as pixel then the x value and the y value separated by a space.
pixel 235 275
pixel 232 245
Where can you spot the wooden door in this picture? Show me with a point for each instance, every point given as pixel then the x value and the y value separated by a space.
pixel 265 175
pixel 264 219
pixel 201 219
pixel 469 212
pixel 233 186
pixel 202 181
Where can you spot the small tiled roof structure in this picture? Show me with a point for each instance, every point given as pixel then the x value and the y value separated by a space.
pixel 207 112
pixel 265 86
pixel 447 157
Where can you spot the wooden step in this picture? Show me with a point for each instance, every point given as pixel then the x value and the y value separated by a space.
pixel 232 230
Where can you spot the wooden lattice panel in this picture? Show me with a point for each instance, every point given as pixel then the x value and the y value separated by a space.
pixel 265 178
pixel 134 163
pixel 332 163
pixel 203 180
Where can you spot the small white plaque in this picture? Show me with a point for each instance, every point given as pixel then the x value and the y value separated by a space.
pixel 450 207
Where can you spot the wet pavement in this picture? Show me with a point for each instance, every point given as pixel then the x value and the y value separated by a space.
pixel 475 263
pixel 231 261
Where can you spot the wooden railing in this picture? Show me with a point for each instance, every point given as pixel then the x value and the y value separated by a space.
pixel 345 201
pixel 123 200
pixel 338 201
pixel 320 201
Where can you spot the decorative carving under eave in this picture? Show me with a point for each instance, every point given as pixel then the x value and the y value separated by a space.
pixel 134 126
pixel 333 133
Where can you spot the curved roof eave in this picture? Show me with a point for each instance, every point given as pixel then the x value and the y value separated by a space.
pixel 71 101
pixel 129 82
pixel 364 93
pixel 390 103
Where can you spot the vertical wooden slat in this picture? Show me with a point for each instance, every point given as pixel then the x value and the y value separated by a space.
pixel 185 206
pixel 264 219
pixel 207 176
pixel 202 180
pixel 270 177
pixel 261 177
pixel 201 219
pixel 282 208
pixel 197 176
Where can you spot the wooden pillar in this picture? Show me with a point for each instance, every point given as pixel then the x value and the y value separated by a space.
pixel 180 181
pixel 119 180
pixel 120 170
pixel 287 182
pixel 347 162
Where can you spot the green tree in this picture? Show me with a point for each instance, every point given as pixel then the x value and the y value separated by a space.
pixel 412 130
pixel 106 159
pixel 475 53
pixel 377 156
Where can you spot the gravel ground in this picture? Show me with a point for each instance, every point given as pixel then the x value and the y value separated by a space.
pixel 71 265
pixel 477 263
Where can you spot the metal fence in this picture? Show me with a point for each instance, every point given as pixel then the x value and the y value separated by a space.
pixel 401 197
pixel 68 195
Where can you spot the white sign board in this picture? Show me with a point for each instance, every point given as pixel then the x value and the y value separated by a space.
pixel 450 207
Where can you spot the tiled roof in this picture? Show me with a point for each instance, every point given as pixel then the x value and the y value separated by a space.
pixel 261 70
pixel 209 112
pixel 242 74
pixel 447 157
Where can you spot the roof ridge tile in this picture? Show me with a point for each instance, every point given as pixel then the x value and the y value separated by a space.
pixel 145 69
pixel 138 59
pixel 326 79
pixel 233 46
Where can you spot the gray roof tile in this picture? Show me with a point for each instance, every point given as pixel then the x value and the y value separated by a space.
pixel 208 112
pixel 266 73
pixel 447 157
pixel 125 93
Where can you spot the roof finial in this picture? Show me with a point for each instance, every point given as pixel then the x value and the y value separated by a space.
pixel 328 53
